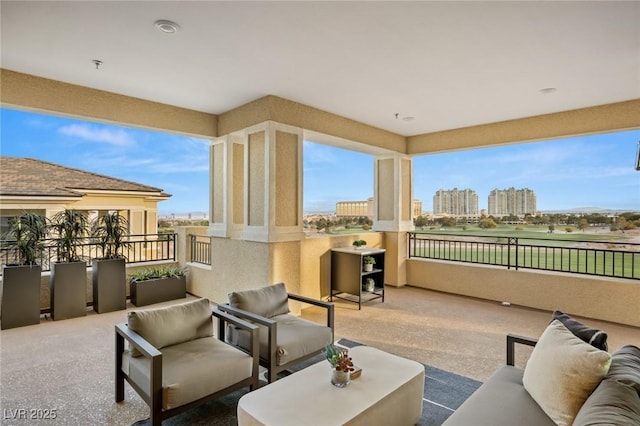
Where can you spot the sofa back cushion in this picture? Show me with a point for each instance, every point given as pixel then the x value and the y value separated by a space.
pixel 596 338
pixel 173 324
pixel 616 400
pixel 266 301
pixel 562 371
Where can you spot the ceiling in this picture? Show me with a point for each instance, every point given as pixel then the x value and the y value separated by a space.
pixel 446 64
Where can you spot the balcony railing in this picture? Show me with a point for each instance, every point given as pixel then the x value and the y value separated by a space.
pixel 200 249
pixel 140 248
pixel 602 258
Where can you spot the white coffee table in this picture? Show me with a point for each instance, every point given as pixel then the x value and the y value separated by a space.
pixel 389 392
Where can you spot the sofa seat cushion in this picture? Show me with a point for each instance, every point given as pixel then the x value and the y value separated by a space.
pixel 501 400
pixel 616 400
pixel 267 301
pixel 173 324
pixel 296 336
pixel 191 370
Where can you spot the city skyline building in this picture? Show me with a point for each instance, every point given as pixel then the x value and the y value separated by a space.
pixel 456 202
pixel 365 208
pixel 511 201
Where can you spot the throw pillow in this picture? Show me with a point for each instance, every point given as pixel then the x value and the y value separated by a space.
pixel 562 371
pixel 172 325
pixel 266 301
pixel 616 400
pixel 592 336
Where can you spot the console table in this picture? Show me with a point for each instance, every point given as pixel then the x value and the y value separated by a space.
pixel 348 277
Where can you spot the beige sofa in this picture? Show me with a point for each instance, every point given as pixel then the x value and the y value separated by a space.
pixel 544 394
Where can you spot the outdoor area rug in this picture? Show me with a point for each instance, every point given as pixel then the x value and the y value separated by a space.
pixel 443 393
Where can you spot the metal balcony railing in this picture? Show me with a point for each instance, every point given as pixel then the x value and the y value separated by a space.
pixel 140 248
pixel 602 258
pixel 200 249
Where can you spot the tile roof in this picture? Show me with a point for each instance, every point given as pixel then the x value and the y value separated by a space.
pixel 31 177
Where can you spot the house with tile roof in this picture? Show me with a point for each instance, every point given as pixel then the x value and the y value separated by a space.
pixel 28 184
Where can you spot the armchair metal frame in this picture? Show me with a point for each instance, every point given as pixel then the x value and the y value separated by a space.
pixel 154 400
pixel 270 362
pixel 512 339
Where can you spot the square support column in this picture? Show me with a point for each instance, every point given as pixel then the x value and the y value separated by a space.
pixel 226 186
pixel 393 195
pixel 273 183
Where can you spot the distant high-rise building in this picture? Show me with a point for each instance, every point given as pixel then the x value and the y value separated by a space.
pixel 457 202
pixel 504 202
pixel 365 208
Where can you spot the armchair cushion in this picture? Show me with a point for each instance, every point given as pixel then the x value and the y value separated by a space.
pixel 192 370
pixel 297 338
pixel 267 301
pixel 172 325
pixel 562 371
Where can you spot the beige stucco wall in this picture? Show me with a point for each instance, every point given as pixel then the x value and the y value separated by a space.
pixel 295 114
pixel 30 92
pixel 315 260
pixel 607 299
pixel 597 119
pixel 240 265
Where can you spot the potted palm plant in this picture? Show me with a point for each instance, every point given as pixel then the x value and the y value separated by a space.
pixel 68 285
pixel 21 281
pixel 109 277
pixel 155 285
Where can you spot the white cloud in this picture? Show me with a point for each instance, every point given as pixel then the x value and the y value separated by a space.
pixel 113 136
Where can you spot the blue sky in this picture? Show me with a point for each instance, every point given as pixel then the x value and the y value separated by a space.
pixel 590 171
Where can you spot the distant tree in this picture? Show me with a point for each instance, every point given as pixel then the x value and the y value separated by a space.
pixel 366 227
pixel 487 223
pixel 583 224
pixel 448 222
pixel 621 223
pixel 552 228
pixel 568 229
pixel 420 222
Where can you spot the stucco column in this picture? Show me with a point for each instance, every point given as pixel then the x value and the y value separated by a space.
pixel 226 186
pixel 393 195
pixel 256 208
pixel 273 183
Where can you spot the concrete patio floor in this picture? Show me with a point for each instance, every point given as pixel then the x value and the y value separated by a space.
pixel 68 366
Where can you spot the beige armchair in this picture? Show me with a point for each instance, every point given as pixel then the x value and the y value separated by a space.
pixel 173 361
pixel 285 340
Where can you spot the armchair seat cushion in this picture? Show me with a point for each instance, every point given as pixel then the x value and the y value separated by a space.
pixel 191 370
pixel 297 338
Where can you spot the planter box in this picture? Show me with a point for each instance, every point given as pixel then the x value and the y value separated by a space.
pixel 68 290
pixel 20 296
pixel 109 281
pixel 159 290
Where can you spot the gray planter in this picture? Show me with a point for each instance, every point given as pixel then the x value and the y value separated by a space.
pixel 68 290
pixel 158 290
pixel 109 280
pixel 20 296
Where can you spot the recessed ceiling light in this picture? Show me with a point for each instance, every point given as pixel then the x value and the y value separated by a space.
pixel 167 27
pixel 408 118
pixel 548 90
